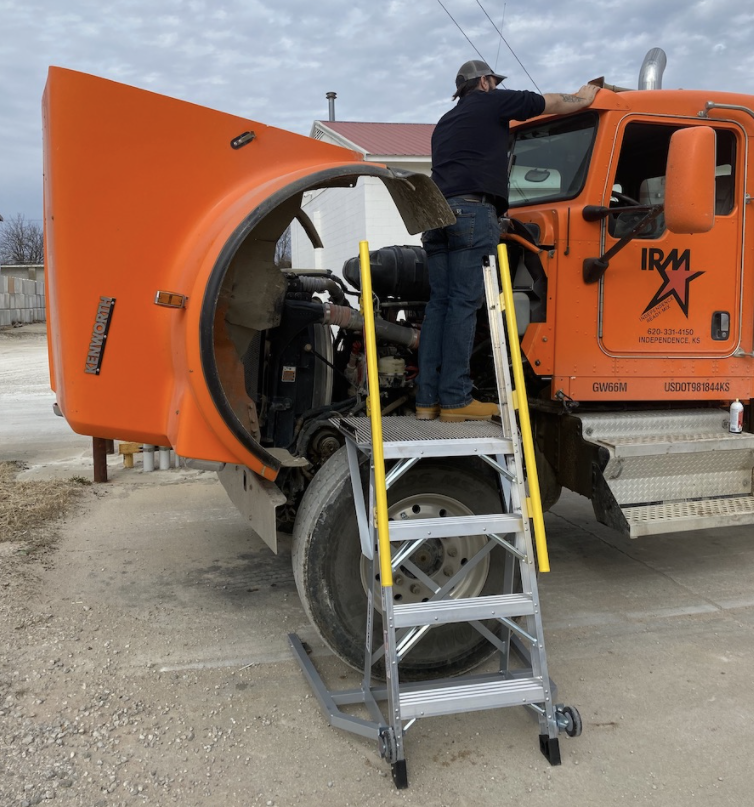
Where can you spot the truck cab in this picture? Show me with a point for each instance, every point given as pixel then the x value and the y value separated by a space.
pixel 647 334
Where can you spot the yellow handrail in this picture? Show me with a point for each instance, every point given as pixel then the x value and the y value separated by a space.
pixel 540 540
pixel 375 416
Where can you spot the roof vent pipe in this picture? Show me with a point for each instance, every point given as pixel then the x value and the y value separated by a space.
pixel 331 96
pixel 650 75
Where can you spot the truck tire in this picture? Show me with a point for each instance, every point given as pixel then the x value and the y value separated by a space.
pixel 331 573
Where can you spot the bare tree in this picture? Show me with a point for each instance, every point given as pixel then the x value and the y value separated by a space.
pixel 283 250
pixel 21 241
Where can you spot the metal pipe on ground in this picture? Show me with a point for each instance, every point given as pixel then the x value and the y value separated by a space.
pixel 147 458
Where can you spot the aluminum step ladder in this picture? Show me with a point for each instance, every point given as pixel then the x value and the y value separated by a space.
pixel 510 619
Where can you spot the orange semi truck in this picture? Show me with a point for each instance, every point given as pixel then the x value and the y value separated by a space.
pixel 633 270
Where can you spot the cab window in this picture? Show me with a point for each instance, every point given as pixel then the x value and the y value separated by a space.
pixel 640 176
pixel 550 160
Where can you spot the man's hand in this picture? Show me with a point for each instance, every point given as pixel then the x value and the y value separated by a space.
pixel 588 91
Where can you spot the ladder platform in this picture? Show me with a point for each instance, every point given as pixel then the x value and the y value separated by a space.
pixel 405 437
pixel 443 612
pixel 700 514
pixel 422 529
pixel 453 699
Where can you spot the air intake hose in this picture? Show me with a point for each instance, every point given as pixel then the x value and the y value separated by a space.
pixel 349 318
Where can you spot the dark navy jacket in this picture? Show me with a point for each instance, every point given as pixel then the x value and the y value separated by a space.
pixel 470 142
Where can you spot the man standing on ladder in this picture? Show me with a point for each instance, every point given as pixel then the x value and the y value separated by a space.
pixel 469 165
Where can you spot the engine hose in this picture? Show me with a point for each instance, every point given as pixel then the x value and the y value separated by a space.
pixel 315 284
pixel 350 319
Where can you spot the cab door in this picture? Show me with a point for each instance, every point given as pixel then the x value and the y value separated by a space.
pixel 669 295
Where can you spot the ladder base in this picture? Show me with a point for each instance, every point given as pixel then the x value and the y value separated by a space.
pixel 330 702
pixel 400 774
pixel 550 747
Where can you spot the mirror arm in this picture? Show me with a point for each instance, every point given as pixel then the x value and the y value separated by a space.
pixel 594 268
pixel 598 212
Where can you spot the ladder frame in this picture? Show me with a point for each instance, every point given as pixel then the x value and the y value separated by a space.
pixel 530 686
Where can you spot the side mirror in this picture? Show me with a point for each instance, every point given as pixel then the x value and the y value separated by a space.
pixel 690 181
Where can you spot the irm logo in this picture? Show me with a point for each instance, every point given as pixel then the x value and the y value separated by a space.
pixel 675 271
pixel 653 258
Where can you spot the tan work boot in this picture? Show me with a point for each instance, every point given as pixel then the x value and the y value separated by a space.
pixel 476 410
pixel 428 412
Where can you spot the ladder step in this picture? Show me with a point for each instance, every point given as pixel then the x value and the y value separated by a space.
pixel 441 612
pixel 452 699
pixel 405 437
pixel 448 448
pixel 420 529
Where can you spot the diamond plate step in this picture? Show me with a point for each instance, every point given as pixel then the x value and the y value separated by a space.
pixel 418 529
pixel 442 612
pixel 651 445
pixel 654 519
pixel 405 437
pixel 451 699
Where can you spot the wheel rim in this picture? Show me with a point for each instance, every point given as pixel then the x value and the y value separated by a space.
pixel 439 559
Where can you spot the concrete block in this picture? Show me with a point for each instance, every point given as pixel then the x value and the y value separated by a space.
pixel 11 281
pixel 5 318
pixel 39 315
pixel 3 284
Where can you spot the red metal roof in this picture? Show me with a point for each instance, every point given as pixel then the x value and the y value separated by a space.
pixel 397 139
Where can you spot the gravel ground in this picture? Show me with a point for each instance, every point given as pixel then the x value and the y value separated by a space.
pixel 143 657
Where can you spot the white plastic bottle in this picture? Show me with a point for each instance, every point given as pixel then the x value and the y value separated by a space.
pixel 736 417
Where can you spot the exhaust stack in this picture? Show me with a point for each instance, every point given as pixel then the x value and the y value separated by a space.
pixel 331 96
pixel 652 68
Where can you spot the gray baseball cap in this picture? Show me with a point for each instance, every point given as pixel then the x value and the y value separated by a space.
pixel 476 68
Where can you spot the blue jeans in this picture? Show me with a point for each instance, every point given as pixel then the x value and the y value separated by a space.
pixel 454 257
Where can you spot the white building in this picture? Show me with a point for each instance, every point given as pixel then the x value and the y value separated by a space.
pixel 345 216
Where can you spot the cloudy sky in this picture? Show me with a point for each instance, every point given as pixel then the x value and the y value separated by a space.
pixel 388 60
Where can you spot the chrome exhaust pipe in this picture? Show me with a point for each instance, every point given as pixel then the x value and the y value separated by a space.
pixel 652 68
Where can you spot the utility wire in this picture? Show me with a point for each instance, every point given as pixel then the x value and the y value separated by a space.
pixel 505 41
pixel 464 33
pixel 502 25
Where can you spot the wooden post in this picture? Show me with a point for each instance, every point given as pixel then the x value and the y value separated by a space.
pixel 99 454
pixel 128 450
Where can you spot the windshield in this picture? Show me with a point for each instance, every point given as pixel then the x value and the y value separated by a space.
pixel 550 161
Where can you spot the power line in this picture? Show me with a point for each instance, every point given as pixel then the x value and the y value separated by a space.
pixel 462 31
pixel 502 25
pixel 506 44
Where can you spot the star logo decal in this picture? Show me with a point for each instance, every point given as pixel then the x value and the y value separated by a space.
pixel 675 283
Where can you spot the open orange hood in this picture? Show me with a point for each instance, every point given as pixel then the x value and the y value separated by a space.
pixel 161 221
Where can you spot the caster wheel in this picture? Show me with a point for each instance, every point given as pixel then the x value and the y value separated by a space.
pixel 573 725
